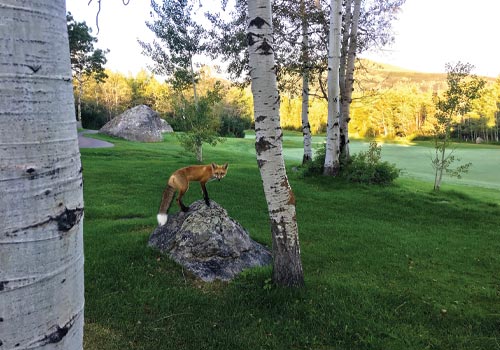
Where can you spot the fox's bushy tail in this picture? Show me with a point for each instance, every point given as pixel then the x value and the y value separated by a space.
pixel 166 202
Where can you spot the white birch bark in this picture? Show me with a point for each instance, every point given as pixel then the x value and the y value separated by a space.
pixel 349 81
pixel 332 164
pixel 287 268
pixel 346 25
pixel 306 127
pixel 41 203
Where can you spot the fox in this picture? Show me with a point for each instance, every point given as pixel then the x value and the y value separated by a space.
pixel 179 181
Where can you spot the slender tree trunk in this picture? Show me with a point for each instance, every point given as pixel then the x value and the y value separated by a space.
pixel 79 101
pixel 441 158
pixel 193 81
pixel 349 81
pixel 287 268
pixel 199 152
pixel 306 127
pixel 41 202
pixel 497 114
pixel 332 164
pixel 439 173
pixel 346 24
pixel 346 29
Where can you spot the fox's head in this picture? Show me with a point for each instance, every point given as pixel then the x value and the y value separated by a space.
pixel 219 171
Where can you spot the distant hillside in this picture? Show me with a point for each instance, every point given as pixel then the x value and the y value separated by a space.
pixel 375 75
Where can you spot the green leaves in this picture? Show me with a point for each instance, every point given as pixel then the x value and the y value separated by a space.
pixel 201 123
pixel 463 89
pixel 85 60
pixel 180 38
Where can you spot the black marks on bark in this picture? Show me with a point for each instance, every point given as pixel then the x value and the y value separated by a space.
pixel 306 129
pixel 262 145
pixel 58 334
pixel 1 319
pixel 257 22
pixel 280 136
pixel 34 69
pixel 65 221
pixel 265 48
pixel 34 174
pixel 306 159
pixel 250 39
pixel 260 118
pixel 261 162
pixel 68 218
pixel 3 284
pixel 31 173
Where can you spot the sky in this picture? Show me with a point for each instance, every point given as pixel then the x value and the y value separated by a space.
pixel 428 34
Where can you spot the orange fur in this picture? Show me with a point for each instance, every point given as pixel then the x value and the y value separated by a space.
pixel 179 181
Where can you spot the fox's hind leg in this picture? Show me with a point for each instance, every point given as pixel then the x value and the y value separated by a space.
pixel 179 201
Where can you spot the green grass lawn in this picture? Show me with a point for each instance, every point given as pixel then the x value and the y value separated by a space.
pixel 396 267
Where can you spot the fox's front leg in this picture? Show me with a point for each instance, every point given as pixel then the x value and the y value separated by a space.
pixel 205 193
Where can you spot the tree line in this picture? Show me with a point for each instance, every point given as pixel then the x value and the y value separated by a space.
pixel 401 110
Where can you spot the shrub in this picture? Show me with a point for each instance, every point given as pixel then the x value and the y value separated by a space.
pixel 364 167
pixel 233 125
pixel 367 167
pixel 315 167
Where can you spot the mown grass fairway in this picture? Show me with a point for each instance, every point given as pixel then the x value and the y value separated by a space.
pixel 396 267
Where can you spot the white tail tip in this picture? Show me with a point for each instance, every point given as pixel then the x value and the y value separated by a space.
pixel 162 219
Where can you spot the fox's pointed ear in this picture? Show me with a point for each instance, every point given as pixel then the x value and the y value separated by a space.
pixel 214 166
pixel 225 166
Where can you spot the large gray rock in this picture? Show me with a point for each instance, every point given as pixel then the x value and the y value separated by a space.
pixel 209 243
pixel 140 123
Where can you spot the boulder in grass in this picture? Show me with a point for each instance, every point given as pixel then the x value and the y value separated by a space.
pixel 140 123
pixel 207 242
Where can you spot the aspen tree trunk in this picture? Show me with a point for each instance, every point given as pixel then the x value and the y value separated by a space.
pixel 306 127
pixel 349 81
pixel 332 164
pixel 41 203
pixel 497 122
pixel 195 94
pixel 79 100
pixel 199 147
pixel 346 28
pixel 287 266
